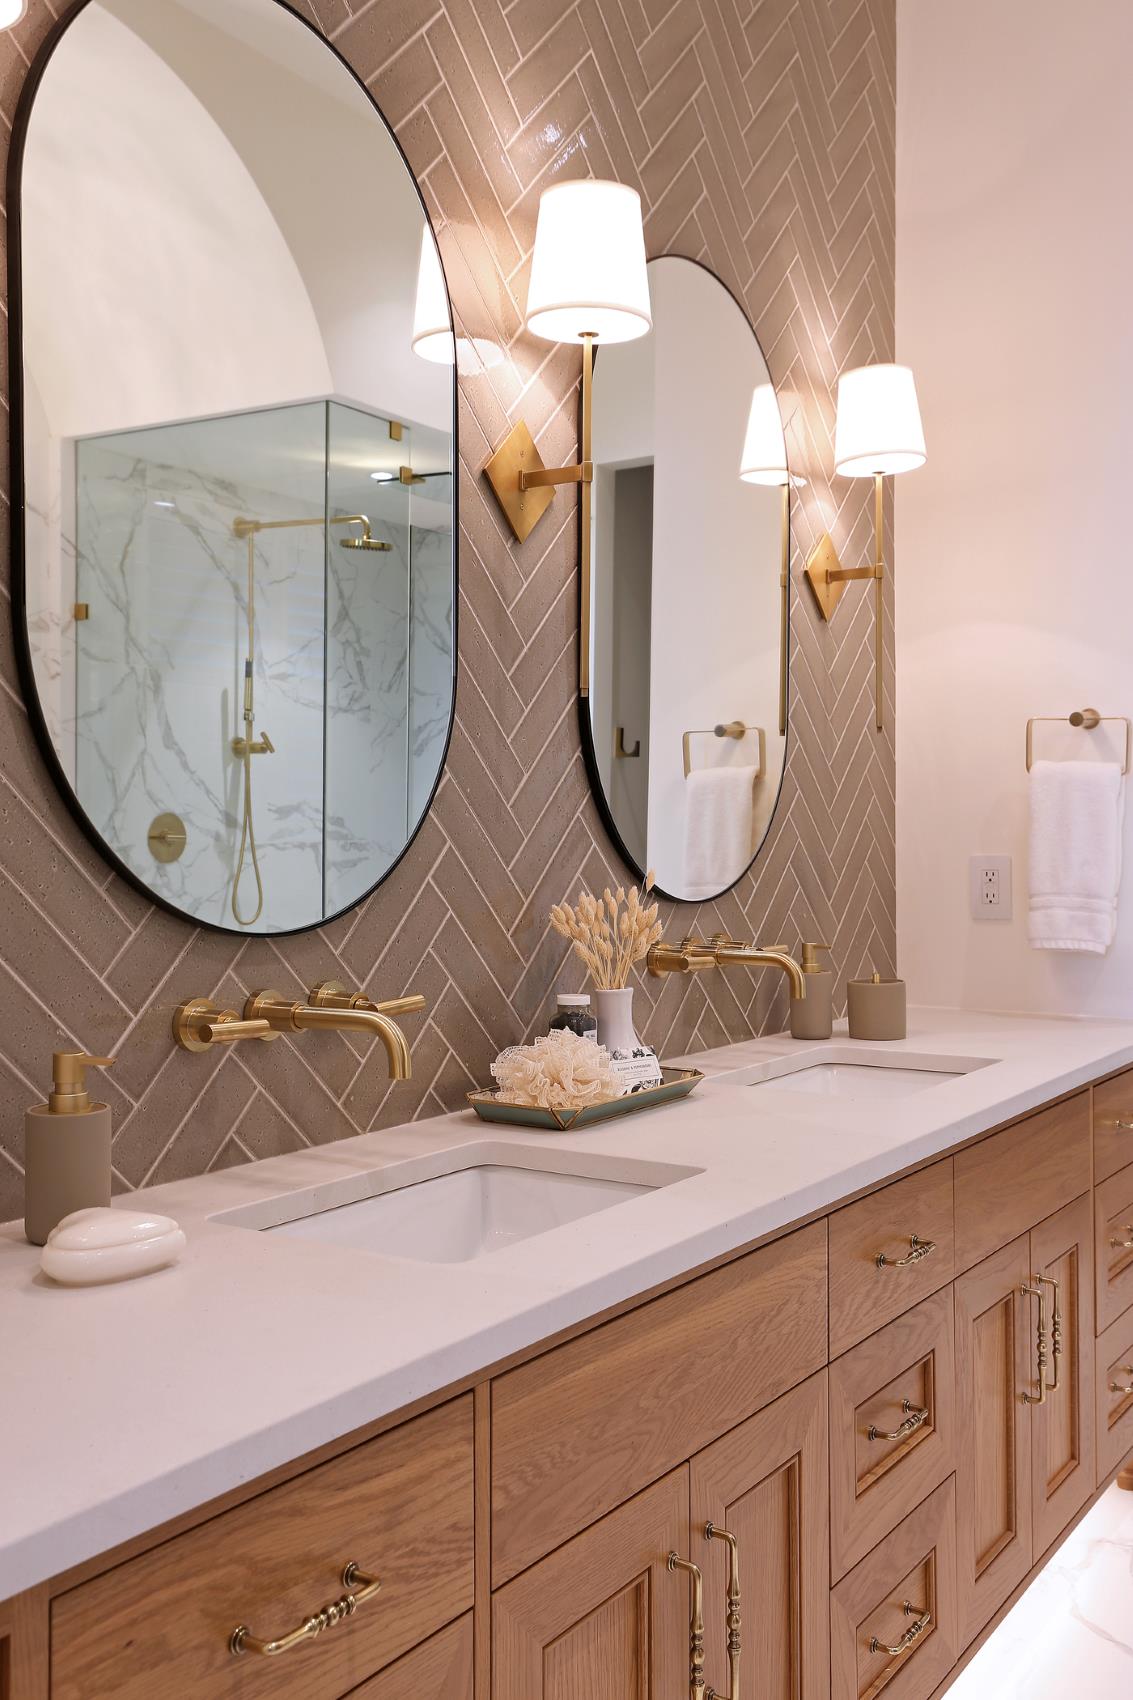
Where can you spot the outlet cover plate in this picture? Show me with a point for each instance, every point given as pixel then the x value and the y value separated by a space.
pixel 989 883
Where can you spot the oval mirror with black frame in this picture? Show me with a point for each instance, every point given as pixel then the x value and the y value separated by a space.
pixel 685 723
pixel 233 451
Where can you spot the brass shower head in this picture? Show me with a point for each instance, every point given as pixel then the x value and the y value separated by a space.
pixel 364 542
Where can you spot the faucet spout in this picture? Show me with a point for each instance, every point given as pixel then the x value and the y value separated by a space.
pixel 362 1021
pixel 771 957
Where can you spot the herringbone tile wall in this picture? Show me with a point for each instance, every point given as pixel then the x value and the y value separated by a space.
pixel 761 136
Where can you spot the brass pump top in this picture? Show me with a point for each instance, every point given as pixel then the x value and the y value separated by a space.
pixel 69 1095
pixel 810 963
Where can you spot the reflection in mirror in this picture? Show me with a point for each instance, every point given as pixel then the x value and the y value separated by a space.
pixel 238 537
pixel 688 641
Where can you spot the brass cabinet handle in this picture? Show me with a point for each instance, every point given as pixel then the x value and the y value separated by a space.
pixel 1126 1244
pixel 732 1624
pixel 1036 1292
pixel 918 1248
pixel 915 1418
pixel 913 1633
pixel 362 1588
pixel 696 1688
pixel 1116 1387
pixel 1122 1125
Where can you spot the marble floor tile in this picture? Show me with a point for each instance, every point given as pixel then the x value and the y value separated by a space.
pixel 1070 1636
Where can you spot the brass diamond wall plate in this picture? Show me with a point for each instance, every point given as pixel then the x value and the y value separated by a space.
pixel 824 559
pixel 517 453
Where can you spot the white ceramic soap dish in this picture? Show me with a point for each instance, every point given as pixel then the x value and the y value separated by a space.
pixel 92 1246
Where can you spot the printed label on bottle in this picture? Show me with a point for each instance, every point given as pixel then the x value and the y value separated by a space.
pixel 637 1068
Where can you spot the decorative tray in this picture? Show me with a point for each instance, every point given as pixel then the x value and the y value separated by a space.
pixel 676 1083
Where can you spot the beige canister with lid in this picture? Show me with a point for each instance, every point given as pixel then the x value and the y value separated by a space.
pixel 876 1008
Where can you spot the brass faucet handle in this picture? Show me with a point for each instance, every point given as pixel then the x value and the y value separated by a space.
pixel 332 994
pixel 200 1024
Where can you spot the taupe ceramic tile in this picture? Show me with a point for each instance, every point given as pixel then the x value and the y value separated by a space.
pixel 761 138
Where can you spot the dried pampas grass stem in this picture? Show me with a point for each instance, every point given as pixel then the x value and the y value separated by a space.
pixel 611 933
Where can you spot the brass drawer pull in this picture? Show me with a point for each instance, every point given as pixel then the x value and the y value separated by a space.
pixel 1116 1387
pixel 918 1248
pixel 912 1634
pixel 696 1688
pixel 732 1624
pixel 1126 1244
pixel 362 1588
pixel 915 1418
pixel 1122 1125
pixel 1036 1292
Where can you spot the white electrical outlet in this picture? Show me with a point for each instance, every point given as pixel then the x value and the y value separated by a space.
pixel 989 880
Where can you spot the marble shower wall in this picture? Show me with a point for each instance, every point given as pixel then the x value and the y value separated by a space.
pixel 761 137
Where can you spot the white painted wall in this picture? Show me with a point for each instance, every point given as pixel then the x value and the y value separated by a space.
pixel 1014 588
pixel 175 241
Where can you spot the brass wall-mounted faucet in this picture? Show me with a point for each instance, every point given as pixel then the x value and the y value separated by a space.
pixel 339 1011
pixel 199 1024
pixel 691 956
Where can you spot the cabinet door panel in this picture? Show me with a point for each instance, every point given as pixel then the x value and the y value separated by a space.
pixel 994 1364
pixel 1062 1446
pixel 766 1483
pixel 603 1617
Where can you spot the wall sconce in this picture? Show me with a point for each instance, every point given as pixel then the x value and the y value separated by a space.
pixel 878 434
pixel 588 283
pixel 764 461
pixel 433 337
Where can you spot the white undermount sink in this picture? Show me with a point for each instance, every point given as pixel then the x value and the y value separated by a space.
pixel 486 1197
pixel 849 1071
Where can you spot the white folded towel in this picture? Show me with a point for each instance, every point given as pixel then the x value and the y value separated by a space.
pixel 718 816
pixel 1076 821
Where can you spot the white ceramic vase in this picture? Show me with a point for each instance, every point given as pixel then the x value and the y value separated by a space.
pixel 635 1062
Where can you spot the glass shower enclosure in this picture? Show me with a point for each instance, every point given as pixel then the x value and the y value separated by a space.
pixel 263 653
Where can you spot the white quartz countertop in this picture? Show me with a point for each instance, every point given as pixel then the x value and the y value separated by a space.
pixel 123 1405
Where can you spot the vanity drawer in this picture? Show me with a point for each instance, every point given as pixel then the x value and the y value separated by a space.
pixel 441 1669
pixel 1113 1125
pixel 874 1610
pixel 1008 1183
pixel 399 1506
pixel 578 1430
pixel 1113 1246
pixel 1113 1394
pixel 897 1223
pixel 892 1426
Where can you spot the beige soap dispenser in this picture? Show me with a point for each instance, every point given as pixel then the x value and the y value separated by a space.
pixel 812 1017
pixel 66 1148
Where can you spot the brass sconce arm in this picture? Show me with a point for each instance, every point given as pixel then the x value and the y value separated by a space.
pixel 525 488
pixel 692 955
pixel 827 578
pixel 284 1016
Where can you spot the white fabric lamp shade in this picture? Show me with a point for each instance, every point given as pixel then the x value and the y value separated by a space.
pixel 588 268
pixel 432 321
pixel 11 11
pixel 879 422
pixel 764 460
